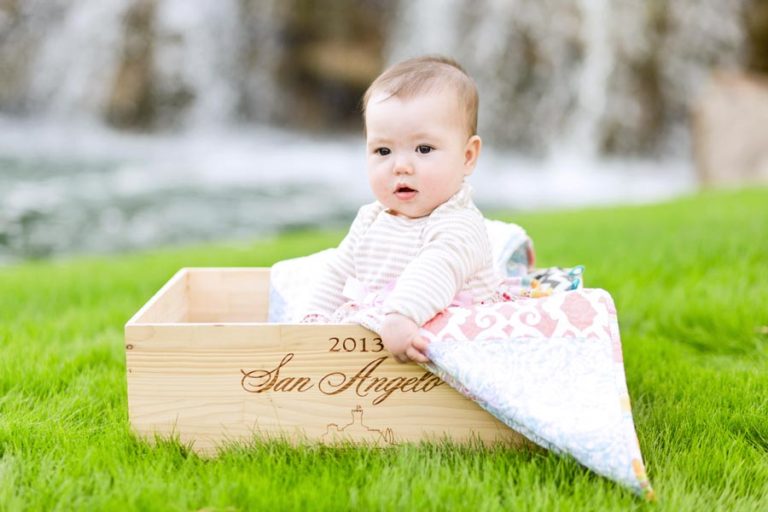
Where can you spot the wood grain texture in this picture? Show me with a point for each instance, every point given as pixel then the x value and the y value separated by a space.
pixel 228 295
pixel 233 377
pixel 169 304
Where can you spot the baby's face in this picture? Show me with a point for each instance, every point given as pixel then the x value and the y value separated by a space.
pixel 418 151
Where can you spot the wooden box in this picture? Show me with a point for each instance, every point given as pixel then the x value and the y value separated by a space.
pixel 204 364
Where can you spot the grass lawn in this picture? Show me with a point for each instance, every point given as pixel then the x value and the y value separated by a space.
pixel 690 280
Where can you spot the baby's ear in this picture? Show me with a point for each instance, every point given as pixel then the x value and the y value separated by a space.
pixel 471 153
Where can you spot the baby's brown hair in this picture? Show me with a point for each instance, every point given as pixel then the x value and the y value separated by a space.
pixel 423 74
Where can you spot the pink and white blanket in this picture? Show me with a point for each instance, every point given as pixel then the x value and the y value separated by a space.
pixel 550 368
pixel 546 362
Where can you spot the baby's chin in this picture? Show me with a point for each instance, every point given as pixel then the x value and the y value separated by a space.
pixel 410 213
pixel 412 208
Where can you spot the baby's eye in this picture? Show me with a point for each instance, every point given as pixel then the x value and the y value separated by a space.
pixel 424 149
pixel 382 151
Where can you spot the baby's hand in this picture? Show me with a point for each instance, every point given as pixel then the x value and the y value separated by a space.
pixel 400 336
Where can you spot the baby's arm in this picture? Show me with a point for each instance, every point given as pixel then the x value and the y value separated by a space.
pixel 326 295
pixel 455 248
pixel 400 336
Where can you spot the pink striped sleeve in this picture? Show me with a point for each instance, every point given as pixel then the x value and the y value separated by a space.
pixel 326 296
pixel 456 248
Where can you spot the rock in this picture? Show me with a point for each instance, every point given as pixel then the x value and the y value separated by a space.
pixel 130 103
pixel 756 27
pixel 333 50
pixel 730 130
pixel 353 65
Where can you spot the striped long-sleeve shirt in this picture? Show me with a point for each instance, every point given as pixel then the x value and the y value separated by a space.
pixel 429 260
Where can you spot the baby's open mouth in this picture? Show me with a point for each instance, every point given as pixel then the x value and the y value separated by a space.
pixel 405 192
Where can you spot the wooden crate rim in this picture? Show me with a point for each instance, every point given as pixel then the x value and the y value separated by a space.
pixel 182 274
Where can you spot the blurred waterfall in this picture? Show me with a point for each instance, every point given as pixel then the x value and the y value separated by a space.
pixel 76 59
pixel 582 136
pixel 595 76
pixel 591 77
pixel 133 123
pixel 196 54
pixel 191 63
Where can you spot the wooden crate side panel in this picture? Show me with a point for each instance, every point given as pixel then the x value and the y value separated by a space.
pixel 211 384
pixel 170 304
pixel 229 294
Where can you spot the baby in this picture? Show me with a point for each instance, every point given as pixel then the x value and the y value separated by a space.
pixel 423 243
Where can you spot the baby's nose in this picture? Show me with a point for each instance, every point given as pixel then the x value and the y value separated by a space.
pixel 402 166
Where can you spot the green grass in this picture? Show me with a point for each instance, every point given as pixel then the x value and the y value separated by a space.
pixel 690 280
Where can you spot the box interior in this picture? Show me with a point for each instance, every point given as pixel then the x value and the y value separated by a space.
pixel 210 295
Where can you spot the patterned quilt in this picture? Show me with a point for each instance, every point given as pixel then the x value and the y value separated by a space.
pixel 550 368
pixel 546 360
